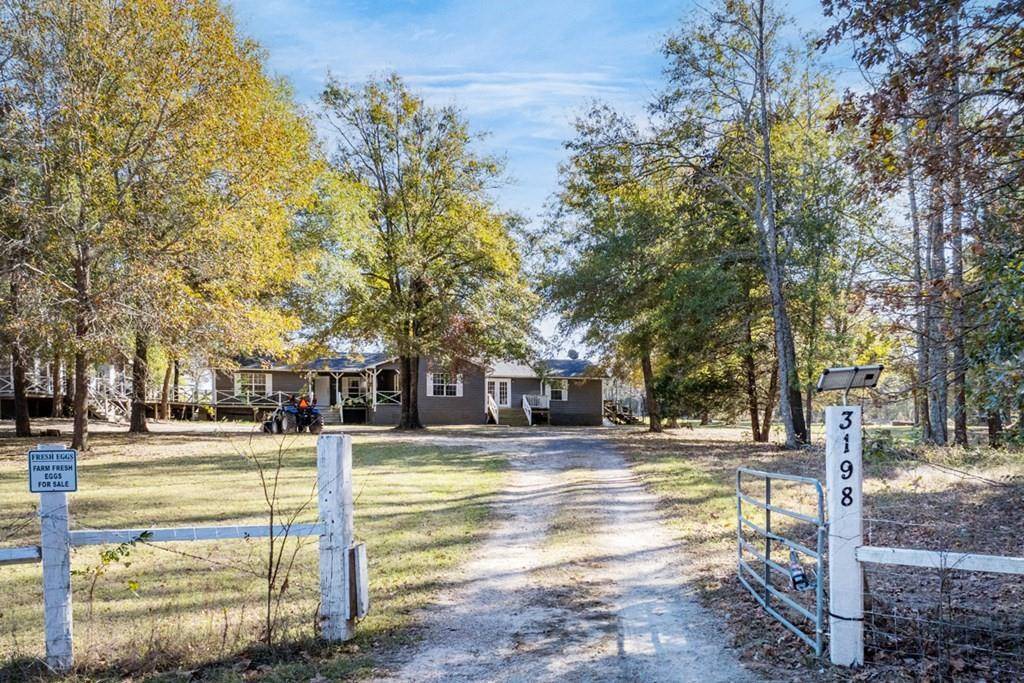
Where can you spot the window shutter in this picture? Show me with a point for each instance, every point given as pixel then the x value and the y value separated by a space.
pixel 270 383
pixel 458 384
pixel 430 384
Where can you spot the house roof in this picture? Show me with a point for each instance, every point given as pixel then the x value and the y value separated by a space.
pixel 343 362
pixel 511 369
pixel 570 368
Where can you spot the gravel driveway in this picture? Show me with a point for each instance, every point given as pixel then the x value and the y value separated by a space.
pixel 580 580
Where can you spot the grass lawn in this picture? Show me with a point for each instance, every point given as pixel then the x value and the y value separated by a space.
pixel 188 611
pixel 944 500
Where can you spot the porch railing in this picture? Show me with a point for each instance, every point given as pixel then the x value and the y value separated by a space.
pixel 492 408
pixel 227 397
pixel 389 398
pixel 35 384
pixel 537 401
pixel 527 410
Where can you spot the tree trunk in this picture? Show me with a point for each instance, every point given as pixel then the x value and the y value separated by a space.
pixel 809 411
pixel 769 405
pixel 922 419
pixel 57 405
pixel 791 412
pixel 410 414
pixel 938 388
pixel 19 379
pixel 67 404
pixel 750 373
pixel 22 422
pixel 83 301
pixel 653 409
pixel 165 392
pixel 176 381
pixel 140 373
pixel 959 331
pixel 995 429
pixel 80 435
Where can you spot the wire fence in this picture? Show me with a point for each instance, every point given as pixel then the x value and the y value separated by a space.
pixel 945 624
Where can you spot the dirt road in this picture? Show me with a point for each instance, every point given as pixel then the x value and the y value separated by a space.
pixel 581 580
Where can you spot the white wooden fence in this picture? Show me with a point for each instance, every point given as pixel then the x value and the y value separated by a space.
pixel 846 552
pixel 344 594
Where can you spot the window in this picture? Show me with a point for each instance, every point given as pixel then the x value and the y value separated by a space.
pixel 252 383
pixel 558 389
pixel 353 387
pixel 444 384
pixel 499 391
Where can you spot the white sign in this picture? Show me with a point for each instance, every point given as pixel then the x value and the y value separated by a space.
pixel 843 477
pixel 52 468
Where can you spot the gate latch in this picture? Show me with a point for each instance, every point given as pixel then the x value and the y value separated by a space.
pixel 797 576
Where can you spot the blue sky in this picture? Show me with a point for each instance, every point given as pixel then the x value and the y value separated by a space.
pixel 521 70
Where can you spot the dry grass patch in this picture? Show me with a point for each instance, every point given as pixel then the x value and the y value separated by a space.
pixel 941 499
pixel 194 611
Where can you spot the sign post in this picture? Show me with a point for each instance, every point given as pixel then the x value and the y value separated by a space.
pixel 52 473
pixel 52 468
pixel 843 478
pixel 334 486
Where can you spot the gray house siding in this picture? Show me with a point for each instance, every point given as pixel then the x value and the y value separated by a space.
pixel 584 407
pixel 520 386
pixel 441 410
pixel 288 382
pixel 386 415
pixel 448 410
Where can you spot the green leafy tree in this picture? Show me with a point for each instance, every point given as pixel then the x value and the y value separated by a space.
pixel 428 268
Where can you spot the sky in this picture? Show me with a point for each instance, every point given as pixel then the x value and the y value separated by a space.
pixel 520 70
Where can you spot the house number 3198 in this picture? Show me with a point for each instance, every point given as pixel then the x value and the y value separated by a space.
pixel 846 467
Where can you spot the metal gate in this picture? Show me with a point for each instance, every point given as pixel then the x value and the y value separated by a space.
pixel 793 592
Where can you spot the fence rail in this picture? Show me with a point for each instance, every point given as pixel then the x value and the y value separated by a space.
pixel 31 554
pixel 344 595
pixel 768 591
pixel 942 560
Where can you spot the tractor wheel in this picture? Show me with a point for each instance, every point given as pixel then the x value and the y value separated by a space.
pixel 289 423
pixel 317 425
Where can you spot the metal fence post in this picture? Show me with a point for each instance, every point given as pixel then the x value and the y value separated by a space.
pixel 334 488
pixel 55 543
pixel 843 478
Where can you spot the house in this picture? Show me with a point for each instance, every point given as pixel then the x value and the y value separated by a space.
pixel 364 388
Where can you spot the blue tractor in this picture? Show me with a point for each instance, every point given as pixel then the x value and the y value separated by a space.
pixel 295 416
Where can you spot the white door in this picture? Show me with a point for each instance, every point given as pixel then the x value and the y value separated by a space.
pixel 501 391
pixel 322 390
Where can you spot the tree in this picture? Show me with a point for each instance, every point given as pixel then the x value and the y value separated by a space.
pixel 157 138
pixel 607 258
pixel 946 76
pixel 727 89
pixel 429 267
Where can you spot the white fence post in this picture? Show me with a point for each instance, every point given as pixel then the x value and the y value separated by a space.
pixel 334 487
pixel 843 477
pixel 55 544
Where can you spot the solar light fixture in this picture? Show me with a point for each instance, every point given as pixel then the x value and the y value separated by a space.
pixel 844 379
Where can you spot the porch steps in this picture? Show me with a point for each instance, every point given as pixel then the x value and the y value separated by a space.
pixel 331 416
pixel 513 417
